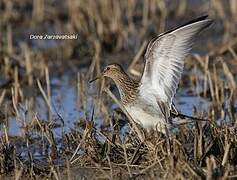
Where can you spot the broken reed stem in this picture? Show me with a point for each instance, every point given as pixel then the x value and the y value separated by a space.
pixel 16 85
pixel 110 166
pixel 150 166
pixel 126 160
pixel 9 39
pixel 81 91
pixel 211 165
pixel 69 174
pixel 137 130
pixel 225 47
pixel 7 66
pixel 226 154
pixel 95 64
pixel 14 103
pixel 200 142
pixel 18 173
pixel 229 76
pixel 211 85
pixel 98 166
pixel 38 10
pixel 97 56
pixel 42 129
pixel 2 96
pixel 48 91
pixel 28 64
pixel 79 98
pixel 84 137
pixel 215 80
pixel 44 94
pixel 233 53
pixel 145 13
pixel 52 169
pixel 138 55
pixel 6 135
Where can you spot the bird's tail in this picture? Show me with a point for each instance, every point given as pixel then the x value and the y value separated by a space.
pixel 179 118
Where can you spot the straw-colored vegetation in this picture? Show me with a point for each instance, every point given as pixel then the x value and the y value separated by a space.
pixel 112 31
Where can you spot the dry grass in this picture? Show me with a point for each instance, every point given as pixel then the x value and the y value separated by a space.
pixel 112 31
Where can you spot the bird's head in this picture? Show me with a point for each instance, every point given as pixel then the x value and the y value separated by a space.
pixel 111 71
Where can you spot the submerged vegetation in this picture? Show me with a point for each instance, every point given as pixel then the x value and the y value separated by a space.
pixel 55 125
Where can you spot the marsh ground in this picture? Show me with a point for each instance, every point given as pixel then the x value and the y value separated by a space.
pixel 55 125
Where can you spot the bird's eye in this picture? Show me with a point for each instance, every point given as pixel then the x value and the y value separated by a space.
pixel 108 68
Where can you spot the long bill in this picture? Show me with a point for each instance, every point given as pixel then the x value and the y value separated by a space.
pixel 92 80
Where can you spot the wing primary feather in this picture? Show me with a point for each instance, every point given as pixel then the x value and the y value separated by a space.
pixel 165 59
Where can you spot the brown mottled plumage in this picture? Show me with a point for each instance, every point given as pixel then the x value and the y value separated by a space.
pixel 149 101
pixel 128 87
pixel 129 92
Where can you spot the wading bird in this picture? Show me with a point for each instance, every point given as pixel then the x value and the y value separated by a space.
pixel 149 100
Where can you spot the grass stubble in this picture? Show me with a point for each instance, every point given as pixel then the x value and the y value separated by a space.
pixel 112 31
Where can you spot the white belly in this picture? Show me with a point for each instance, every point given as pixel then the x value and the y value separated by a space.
pixel 146 119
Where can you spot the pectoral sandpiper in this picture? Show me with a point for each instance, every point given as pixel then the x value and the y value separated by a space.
pixel 149 101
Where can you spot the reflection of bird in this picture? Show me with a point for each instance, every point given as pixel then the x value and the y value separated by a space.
pixel 149 101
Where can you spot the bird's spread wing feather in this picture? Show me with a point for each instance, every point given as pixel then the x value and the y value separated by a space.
pixel 165 60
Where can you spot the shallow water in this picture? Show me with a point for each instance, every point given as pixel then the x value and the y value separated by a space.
pixel 64 101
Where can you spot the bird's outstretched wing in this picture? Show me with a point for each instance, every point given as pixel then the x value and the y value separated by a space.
pixel 165 60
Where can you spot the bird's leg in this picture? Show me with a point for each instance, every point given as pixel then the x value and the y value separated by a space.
pixel 164 109
pixel 173 109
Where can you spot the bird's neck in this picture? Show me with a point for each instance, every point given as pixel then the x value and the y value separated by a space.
pixel 128 88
